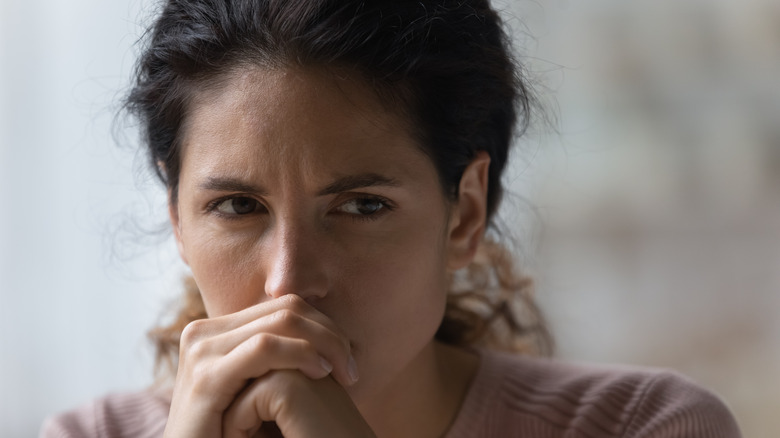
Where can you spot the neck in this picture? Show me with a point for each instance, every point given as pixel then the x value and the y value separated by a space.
pixel 423 401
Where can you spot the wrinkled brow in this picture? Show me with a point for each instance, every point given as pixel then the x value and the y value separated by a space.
pixel 344 184
pixel 353 182
pixel 222 184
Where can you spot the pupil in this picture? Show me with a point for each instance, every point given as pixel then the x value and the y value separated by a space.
pixel 368 206
pixel 243 205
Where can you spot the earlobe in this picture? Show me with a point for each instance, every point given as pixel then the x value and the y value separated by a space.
pixel 468 216
pixel 173 213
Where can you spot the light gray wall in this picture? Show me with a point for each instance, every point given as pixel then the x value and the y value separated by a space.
pixel 74 300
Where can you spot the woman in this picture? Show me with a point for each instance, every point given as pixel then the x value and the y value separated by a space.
pixel 331 169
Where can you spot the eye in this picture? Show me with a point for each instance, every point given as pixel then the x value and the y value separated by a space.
pixel 363 206
pixel 237 206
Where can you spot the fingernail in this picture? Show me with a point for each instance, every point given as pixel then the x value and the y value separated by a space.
pixel 352 369
pixel 327 366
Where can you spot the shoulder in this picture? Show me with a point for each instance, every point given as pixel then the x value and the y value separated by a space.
pixel 514 395
pixel 135 414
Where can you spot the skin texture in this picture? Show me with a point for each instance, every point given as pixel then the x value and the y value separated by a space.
pixel 322 243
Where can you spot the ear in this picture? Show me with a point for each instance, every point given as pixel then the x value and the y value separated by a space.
pixel 468 214
pixel 173 213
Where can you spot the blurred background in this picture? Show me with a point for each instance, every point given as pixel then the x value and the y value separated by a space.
pixel 650 215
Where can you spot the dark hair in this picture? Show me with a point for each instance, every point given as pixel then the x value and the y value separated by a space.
pixel 446 64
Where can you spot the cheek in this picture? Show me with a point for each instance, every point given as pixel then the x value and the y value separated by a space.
pixel 225 269
pixel 394 305
pixel 399 291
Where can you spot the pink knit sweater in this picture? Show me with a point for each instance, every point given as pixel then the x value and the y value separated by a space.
pixel 511 396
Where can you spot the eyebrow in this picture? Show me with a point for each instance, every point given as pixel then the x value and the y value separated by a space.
pixel 353 182
pixel 221 184
pixel 344 184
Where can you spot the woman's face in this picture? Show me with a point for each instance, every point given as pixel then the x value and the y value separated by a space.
pixel 298 182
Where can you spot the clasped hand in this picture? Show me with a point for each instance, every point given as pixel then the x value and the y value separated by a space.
pixel 280 360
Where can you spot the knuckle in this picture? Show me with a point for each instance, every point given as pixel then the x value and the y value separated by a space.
pixel 193 331
pixel 307 350
pixel 194 343
pixel 262 343
pixel 287 318
pixel 198 349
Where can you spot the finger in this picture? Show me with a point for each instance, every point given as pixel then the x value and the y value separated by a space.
pixel 263 401
pixel 218 379
pixel 286 323
pixel 290 301
pixel 248 412
pixel 288 312
pixel 265 352
pixel 301 407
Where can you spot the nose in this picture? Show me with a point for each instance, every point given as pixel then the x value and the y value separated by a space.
pixel 295 263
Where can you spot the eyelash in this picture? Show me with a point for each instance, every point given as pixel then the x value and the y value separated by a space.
pixel 213 205
pixel 387 206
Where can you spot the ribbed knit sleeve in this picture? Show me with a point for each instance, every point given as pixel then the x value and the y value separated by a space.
pixel 674 407
pixel 514 396
pixel 139 415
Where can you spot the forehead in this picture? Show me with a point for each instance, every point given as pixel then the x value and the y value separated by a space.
pixel 290 122
pixel 303 96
